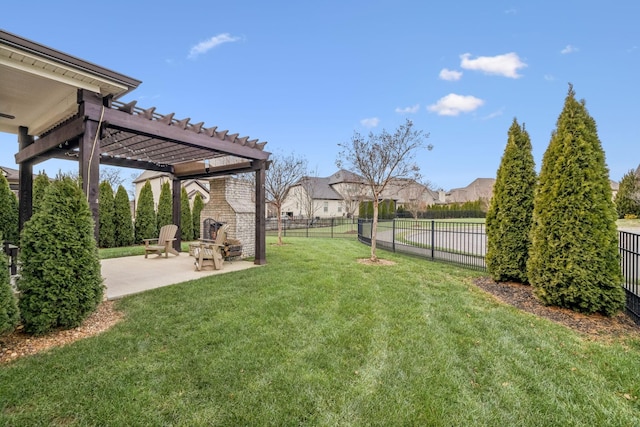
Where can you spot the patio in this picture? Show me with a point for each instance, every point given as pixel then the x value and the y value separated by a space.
pixel 135 274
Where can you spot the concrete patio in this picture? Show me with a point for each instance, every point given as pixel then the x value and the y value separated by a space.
pixel 135 274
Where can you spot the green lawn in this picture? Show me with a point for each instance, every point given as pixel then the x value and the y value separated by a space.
pixel 314 338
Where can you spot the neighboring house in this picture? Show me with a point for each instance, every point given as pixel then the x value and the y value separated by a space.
pixel 479 189
pixel 340 194
pixel 13 176
pixel 615 186
pixel 482 189
pixel 156 179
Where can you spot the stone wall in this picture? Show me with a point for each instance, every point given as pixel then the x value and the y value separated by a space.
pixel 230 202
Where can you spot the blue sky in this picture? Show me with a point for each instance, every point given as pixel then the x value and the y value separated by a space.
pixel 304 75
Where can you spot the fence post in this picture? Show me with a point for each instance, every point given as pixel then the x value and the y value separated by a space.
pixel 433 238
pixel 332 224
pixel 393 235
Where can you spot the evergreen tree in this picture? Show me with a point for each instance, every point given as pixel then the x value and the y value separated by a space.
pixel 9 315
pixel 628 197
pixel 40 184
pixel 509 216
pixel 145 224
pixel 186 222
pixel 8 212
pixel 60 283
pixel 198 205
pixel 165 206
pixel 123 223
pixel 574 260
pixel 106 215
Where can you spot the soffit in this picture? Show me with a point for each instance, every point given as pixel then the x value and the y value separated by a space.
pixel 39 85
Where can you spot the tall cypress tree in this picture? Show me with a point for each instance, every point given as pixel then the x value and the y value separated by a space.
pixel 40 184
pixel 198 205
pixel 186 222
pixel 9 315
pixel 8 212
pixel 106 207
pixel 122 220
pixel 509 216
pixel 145 224
pixel 628 196
pixel 574 260
pixel 60 282
pixel 165 206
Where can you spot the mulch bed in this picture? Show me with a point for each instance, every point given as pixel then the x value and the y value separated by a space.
pixel 593 325
pixel 19 344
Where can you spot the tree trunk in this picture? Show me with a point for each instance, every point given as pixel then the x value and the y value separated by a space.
pixel 279 225
pixel 374 230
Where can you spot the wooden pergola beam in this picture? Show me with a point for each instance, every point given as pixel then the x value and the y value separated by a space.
pixel 69 131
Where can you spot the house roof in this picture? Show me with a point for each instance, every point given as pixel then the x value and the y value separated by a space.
pixel 344 176
pixel 319 188
pixel 10 174
pixel 150 175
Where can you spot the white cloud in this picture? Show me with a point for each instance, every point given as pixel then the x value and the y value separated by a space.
pixel 549 77
pixel 569 49
pixel 450 75
pixel 207 45
pixel 506 65
pixel 408 110
pixel 453 104
pixel 370 122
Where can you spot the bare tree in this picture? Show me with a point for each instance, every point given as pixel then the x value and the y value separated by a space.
pixel 283 172
pixel 352 193
pixel 306 196
pixel 381 158
pixel 112 175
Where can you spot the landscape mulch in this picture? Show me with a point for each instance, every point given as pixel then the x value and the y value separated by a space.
pixel 593 325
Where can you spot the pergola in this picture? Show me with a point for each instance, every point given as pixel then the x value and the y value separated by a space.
pixel 63 107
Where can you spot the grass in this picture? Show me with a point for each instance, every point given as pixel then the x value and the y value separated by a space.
pixel 628 223
pixel 314 338
pixel 106 253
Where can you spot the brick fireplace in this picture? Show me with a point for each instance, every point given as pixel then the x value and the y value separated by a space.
pixel 231 202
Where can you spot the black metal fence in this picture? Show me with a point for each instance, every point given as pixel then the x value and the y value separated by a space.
pixel 465 243
pixel 318 227
pixel 629 260
pixel 457 242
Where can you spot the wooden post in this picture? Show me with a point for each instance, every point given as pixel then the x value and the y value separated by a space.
pixel 176 188
pixel 260 242
pixel 89 165
pixel 25 189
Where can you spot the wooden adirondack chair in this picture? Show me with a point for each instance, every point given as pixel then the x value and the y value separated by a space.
pixel 163 242
pixel 209 253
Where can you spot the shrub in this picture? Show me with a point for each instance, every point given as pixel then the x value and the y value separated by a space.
pixel 198 205
pixel 509 216
pixel 122 221
pixel 165 206
pixel 628 196
pixel 40 184
pixel 106 216
pixel 9 314
pixel 60 283
pixel 574 260
pixel 145 224
pixel 8 212
pixel 186 222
